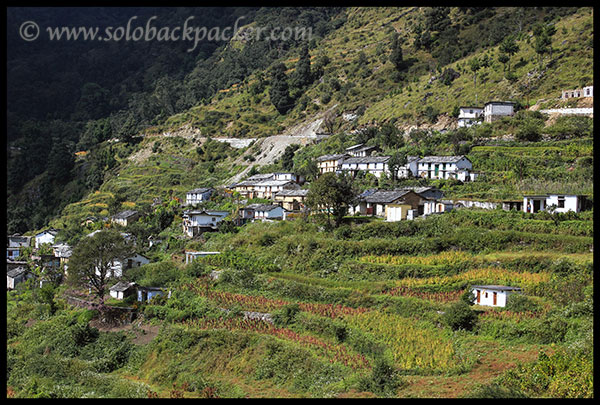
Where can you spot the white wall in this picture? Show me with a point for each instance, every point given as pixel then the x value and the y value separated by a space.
pixel 501 297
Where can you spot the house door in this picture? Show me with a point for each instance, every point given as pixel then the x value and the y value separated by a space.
pixel 536 205
pixel 437 170
pixel 478 296
pixel 494 298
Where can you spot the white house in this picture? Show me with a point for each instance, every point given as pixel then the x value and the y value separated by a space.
pixel 434 206
pixel 445 167
pixel 495 110
pixel 16 276
pixel 376 165
pixel 125 218
pixel 198 195
pixel 493 295
pixel 360 150
pixel 410 169
pixel 47 236
pixel 264 188
pixel 119 266
pixel 122 289
pixel 468 116
pixel 15 244
pixel 195 222
pixel 263 211
pixel 560 202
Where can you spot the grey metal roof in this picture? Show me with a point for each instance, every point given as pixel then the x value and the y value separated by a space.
pixel 122 286
pixel 292 193
pixel 331 157
pixel 497 287
pixel 441 159
pixel 125 214
pixel 16 272
pixel 200 190
pixel 383 196
pixel 262 207
pixel 366 159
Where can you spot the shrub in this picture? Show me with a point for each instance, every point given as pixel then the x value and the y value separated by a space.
pixel 460 316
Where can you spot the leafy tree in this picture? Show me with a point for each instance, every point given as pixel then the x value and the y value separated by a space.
pixel 92 258
pixel 334 193
pixel 396 161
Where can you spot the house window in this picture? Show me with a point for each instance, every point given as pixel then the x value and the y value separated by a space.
pixel 561 202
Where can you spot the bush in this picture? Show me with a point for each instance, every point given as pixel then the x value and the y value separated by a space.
pixel 384 379
pixel 460 316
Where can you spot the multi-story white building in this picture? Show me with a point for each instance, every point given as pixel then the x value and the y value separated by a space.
pixel 469 116
pixel 198 195
pixel 376 165
pixel 445 167
pixel 195 222
pixel 330 163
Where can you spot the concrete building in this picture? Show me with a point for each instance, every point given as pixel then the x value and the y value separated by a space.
pixel 495 110
pixel 493 295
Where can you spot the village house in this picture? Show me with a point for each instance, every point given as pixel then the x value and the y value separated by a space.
pixel 198 195
pixel 445 167
pixel 47 236
pixel 122 290
pixel 376 165
pixel 375 202
pixel 265 188
pixel 469 116
pixel 118 266
pixel 13 264
pixel 63 252
pixel 262 212
pixel 125 218
pixel 495 110
pixel 16 243
pixel 560 202
pixel 16 276
pixel 291 200
pixel 493 295
pixel 196 222
pixel 410 169
pixel 360 150
pixel 331 163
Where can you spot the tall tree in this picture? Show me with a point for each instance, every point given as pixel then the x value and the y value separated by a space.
pixel 396 161
pixel 302 75
pixel 396 56
pixel 92 259
pixel 475 66
pixel 509 47
pixel 279 91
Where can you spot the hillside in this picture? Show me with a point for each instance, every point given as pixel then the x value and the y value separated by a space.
pixel 375 99
pixel 314 304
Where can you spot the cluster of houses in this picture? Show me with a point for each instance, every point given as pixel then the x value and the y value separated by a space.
pixel 490 112
pixel 428 167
